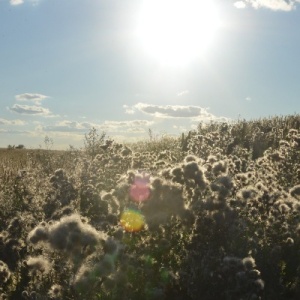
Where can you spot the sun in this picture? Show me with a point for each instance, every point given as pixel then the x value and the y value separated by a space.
pixel 175 32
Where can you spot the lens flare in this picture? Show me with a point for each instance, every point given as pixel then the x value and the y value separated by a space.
pixel 132 220
pixel 140 189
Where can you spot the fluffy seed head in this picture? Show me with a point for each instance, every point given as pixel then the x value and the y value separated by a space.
pixel 38 234
pixel 4 272
pixel 39 263
pixel 249 263
pixel 295 191
pixel 68 234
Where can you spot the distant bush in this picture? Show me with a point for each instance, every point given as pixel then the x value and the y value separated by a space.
pixel 95 143
pixel 11 147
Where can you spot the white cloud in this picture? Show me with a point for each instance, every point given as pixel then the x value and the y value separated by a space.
pixel 239 4
pixel 211 118
pixel 122 124
pixel 248 99
pixel 283 5
pixel 132 126
pixel 30 110
pixel 16 2
pixel 70 126
pixel 36 98
pixel 170 111
pixel 180 128
pixel 182 93
pixel 5 131
pixel 11 122
pixel 74 124
pixel 128 110
pixel 190 112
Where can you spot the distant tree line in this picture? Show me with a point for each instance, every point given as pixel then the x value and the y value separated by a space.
pixel 11 147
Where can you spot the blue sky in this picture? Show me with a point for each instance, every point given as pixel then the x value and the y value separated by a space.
pixel 124 66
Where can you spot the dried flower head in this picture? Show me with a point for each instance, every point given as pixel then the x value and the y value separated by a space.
pixel 249 263
pixel 38 264
pixel 295 191
pixel 55 292
pixel 4 272
pixel 69 234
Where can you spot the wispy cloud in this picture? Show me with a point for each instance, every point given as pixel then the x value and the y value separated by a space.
pixel 132 126
pixel 11 122
pixel 180 128
pixel 16 2
pixel 70 126
pixel 30 110
pixel 131 123
pixel 19 2
pixel 180 94
pixel 128 110
pixel 29 97
pixel 283 5
pixel 9 131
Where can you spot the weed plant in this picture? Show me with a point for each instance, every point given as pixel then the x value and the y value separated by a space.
pixel 213 214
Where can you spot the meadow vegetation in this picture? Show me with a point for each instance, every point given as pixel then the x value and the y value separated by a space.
pixel 212 214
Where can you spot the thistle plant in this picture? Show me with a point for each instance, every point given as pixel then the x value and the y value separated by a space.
pixel 213 214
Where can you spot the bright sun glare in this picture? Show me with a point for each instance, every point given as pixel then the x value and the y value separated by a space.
pixel 174 32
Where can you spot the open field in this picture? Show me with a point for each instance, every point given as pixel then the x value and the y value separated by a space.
pixel 212 214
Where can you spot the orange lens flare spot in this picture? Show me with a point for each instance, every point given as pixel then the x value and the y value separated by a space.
pixel 132 220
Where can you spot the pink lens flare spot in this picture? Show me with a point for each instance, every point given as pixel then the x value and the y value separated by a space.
pixel 140 189
pixel 132 220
